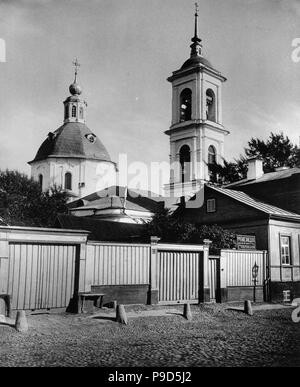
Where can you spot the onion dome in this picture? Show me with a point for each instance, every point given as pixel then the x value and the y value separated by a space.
pixel 75 89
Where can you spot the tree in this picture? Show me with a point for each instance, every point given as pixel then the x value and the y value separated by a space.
pixel 277 151
pixel 172 228
pixel 22 202
pixel 228 172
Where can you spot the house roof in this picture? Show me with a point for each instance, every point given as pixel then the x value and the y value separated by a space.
pixel 257 204
pixel 120 197
pixel 277 175
pixel 101 230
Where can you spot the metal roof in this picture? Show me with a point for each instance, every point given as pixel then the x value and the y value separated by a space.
pixel 254 203
pixel 277 175
pixel 71 140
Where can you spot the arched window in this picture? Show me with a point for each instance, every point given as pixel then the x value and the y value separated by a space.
pixel 81 113
pixel 41 180
pixel 66 111
pixel 185 105
pixel 73 111
pixel 210 105
pixel 212 160
pixel 68 181
pixel 185 163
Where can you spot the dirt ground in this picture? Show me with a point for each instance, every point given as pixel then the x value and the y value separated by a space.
pixel 156 337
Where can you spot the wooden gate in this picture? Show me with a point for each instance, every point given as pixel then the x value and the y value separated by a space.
pixel 41 275
pixel 178 276
pixel 214 277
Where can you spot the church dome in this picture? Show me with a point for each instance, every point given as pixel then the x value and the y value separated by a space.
pixel 75 89
pixel 195 61
pixel 72 140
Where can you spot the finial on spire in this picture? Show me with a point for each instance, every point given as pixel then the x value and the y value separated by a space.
pixel 196 46
pixel 76 65
pixel 74 87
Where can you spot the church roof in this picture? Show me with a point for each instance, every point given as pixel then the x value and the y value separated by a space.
pixel 195 61
pixel 72 140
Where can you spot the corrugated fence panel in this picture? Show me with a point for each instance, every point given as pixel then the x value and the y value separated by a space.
pixel 118 264
pixel 239 264
pixel 178 276
pixel 40 275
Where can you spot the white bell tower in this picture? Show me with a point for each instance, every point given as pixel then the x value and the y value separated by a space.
pixel 196 133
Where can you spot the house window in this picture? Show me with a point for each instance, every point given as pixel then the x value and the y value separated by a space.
pixel 185 163
pixel 211 205
pixel 210 105
pixel 285 250
pixel 73 111
pixel 41 180
pixel 68 181
pixel 186 105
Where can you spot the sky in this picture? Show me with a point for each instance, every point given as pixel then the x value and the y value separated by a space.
pixel 127 49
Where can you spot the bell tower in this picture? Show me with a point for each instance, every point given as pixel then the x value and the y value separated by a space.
pixel 196 133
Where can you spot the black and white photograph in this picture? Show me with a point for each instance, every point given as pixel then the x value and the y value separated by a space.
pixel 149 186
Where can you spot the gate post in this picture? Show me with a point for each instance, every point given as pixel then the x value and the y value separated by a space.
pixel 4 258
pixel 153 272
pixel 223 296
pixel 204 289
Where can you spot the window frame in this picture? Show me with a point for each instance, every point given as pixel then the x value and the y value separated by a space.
pixel 73 111
pixel 65 181
pixel 211 200
pixel 211 112
pixel 185 94
pixel 281 245
pixel 41 180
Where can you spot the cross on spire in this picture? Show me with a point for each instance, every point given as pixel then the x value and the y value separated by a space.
pixel 76 65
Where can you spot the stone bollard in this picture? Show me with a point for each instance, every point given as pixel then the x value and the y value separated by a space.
pixel 21 321
pixel 187 311
pixel 248 307
pixel 2 318
pixel 121 316
pixel 115 304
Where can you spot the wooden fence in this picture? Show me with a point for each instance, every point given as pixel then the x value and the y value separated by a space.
pixel 38 266
pixel 115 264
pixel 236 266
pixel 45 268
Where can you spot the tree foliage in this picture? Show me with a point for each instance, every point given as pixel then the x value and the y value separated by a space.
pixel 174 229
pixel 277 151
pixel 22 202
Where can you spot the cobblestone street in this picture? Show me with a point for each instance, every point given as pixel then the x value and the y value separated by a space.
pixel 215 337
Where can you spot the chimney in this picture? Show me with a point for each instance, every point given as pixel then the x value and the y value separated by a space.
pixel 255 168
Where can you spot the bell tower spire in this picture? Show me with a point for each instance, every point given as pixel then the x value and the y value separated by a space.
pixel 196 46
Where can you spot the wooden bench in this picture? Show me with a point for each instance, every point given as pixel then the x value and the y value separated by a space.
pixel 96 297
pixel 7 300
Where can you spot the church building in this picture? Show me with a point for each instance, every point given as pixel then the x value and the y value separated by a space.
pixel 73 157
pixel 196 133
